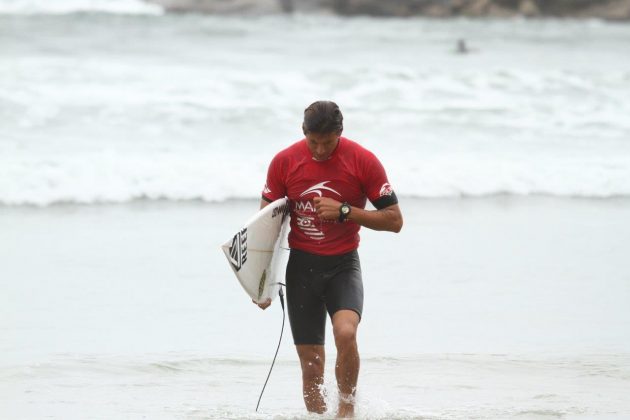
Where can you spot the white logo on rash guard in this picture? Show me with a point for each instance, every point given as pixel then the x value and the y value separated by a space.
pixel 317 189
pixel 307 225
pixel 266 190
pixel 386 189
pixel 306 220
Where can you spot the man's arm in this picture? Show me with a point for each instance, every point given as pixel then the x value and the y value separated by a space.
pixel 389 219
pixel 263 203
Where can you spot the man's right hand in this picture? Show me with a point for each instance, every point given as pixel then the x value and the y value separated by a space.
pixel 263 305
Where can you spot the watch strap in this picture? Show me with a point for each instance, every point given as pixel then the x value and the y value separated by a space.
pixel 343 216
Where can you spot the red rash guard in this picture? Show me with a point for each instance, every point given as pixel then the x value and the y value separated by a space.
pixel 351 174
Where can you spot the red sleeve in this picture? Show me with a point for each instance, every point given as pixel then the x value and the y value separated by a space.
pixel 275 186
pixel 375 183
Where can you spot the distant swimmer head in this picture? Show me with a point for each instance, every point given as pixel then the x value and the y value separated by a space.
pixel 322 126
pixel 461 47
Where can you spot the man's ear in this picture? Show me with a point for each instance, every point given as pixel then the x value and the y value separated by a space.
pixel 303 129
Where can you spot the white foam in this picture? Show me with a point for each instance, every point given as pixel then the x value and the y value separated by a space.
pixel 112 177
pixel 56 7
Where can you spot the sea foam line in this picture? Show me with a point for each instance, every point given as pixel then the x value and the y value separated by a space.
pixel 47 7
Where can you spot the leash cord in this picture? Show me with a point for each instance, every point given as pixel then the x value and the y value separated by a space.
pixel 281 293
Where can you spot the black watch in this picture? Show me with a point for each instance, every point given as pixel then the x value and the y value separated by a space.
pixel 344 212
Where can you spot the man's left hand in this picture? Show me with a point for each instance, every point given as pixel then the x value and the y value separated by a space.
pixel 327 208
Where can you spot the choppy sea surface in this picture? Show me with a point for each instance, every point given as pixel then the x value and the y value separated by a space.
pixel 151 134
pixel 113 100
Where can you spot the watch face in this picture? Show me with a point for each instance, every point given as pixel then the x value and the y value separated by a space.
pixel 345 209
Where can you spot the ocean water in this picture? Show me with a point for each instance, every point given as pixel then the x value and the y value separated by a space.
pixel 133 143
pixel 111 107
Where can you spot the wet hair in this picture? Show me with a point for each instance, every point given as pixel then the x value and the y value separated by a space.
pixel 322 117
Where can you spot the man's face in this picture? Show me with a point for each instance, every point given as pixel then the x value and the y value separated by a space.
pixel 322 145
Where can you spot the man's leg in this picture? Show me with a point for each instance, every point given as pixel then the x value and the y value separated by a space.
pixel 312 362
pixel 345 323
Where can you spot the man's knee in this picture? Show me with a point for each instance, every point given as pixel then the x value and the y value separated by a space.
pixel 312 363
pixel 345 324
pixel 312 368
pixel 345 335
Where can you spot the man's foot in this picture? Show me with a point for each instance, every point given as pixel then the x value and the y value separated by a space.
pixel 346 406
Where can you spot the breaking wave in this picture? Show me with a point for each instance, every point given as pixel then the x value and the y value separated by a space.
pixel 116 178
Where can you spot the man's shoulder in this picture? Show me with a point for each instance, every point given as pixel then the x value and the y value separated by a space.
pixel 356 150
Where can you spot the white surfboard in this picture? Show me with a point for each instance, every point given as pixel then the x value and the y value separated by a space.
pixel 258 252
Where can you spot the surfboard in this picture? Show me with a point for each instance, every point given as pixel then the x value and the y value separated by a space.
pixel 258 252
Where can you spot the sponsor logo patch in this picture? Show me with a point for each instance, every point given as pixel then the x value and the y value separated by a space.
pixel 386 189
pixel 261 285
pixel 283 210
pixel 238 250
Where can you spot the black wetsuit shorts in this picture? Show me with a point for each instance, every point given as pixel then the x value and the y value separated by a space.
pixel 317 284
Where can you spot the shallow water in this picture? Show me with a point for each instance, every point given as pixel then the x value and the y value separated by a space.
pixel 479 308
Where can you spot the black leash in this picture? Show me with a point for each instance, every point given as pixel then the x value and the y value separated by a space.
pixel 281 294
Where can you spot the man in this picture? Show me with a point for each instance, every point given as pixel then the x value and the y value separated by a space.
pixel 328 179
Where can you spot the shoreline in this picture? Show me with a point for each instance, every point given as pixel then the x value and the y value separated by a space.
pixel 615 10
pixel 145 202
pixel 621 17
